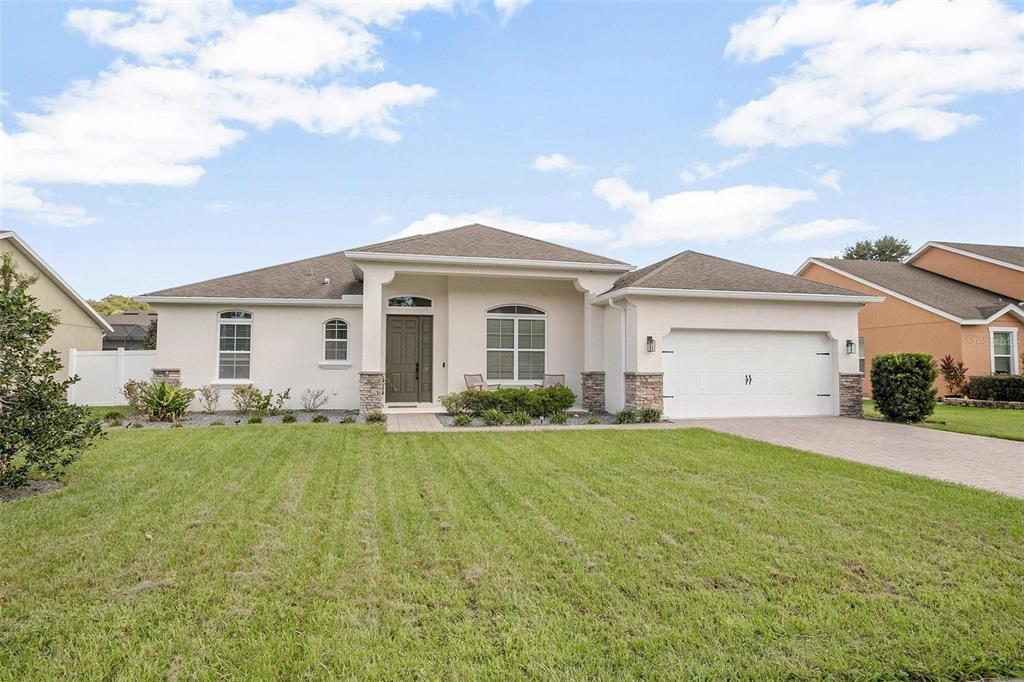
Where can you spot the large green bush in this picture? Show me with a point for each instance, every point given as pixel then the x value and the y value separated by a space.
pixel 903 385
pixel 537 402
pixel 997 387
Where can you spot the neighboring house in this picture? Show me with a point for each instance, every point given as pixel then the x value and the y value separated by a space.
pixel 80 326
pixel 129 329
pixel 962 300
pixel 402 322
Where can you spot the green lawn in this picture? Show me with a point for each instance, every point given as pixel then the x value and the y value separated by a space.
pixel 328 551
pixel 980 421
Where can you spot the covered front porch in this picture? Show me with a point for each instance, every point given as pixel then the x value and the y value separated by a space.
pixel 426 327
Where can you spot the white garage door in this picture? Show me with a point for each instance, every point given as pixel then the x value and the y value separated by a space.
pixel 717 373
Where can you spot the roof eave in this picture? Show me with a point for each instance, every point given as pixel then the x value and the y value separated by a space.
pixel 740 295
pixel 345 300
pixel 58 280
pixel 376 256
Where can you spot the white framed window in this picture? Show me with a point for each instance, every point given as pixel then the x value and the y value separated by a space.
pixel 1003 343
pixel 516 344
pixel 860 354
pixel 335 341
pixel 234 345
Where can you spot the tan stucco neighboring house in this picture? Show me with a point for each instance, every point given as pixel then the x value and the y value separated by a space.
pixel 948 298
pixel 399 323
pixel 80 326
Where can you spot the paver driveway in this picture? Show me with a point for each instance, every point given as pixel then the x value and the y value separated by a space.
pixel 989 463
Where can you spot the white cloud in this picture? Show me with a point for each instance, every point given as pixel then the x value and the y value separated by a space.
pixel 702 170
pixel 23 202
pixel 567 231
pixel 557 162
pixel 383 218
pixel 196 79
pixel 705 215
pixel 508 8
pixel 821 228
pixel 872 68
pixel 220 206
pixel 829 178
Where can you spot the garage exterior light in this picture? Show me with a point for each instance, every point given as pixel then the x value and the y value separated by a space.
pixel 650 344
pixel 851 347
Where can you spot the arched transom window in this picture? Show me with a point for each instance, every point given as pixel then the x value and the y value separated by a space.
pixel 335 341
pixel 234 345
pixel 516 343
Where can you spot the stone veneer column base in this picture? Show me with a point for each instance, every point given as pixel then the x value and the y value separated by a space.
pixel 371 392
pixel 644 389
pixel 851 395
pixel 593 390
pixel 171 376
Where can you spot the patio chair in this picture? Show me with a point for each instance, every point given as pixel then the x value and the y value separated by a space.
pixel 551 380
pixel 475 382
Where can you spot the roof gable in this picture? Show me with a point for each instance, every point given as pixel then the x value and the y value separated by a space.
pixel 482 241
pixel 1001 254
pixel 693 271
pixel 948 297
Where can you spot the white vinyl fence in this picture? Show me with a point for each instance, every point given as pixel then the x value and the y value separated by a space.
pixel 104 372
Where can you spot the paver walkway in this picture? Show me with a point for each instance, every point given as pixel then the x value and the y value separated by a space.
pixel 990 463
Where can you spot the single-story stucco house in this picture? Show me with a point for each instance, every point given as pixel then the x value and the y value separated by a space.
pixel 79 327
pixel 404 321
pixel 948 298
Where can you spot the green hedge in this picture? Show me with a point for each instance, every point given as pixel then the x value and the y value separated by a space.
pixel 537 402
pixel 903 385
pixel 996 387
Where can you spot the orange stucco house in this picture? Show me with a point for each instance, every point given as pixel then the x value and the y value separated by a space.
pixel 948 298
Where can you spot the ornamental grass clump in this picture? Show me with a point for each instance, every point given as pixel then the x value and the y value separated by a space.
pixel 903 386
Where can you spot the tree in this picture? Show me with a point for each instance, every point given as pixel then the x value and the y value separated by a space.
pixel 116 303
pixel 885 248
pixel 149 342
pixel 40 432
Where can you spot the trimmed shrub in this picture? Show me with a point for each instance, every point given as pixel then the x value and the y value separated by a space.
pixel 997 387
pixel 164 402
pixel 137 425
pixel 320 419
pixel 537 402
pixel 376 418
pixel 626 417
pixel 650 414
pixel 288 418
pixel 217 423
pixel 462 419
pixel 520 418
pixel 248 398
pixel 593 420
pixel 903 385
pixel 348 419
pixel 559 417
pixel 493 417
pixel 255 419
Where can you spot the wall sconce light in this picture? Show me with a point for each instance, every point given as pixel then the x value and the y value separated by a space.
pixel 851 347
pixel 650 344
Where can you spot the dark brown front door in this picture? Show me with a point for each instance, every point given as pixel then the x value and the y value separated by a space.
pixel 409 366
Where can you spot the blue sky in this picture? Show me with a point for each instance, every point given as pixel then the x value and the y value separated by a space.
pixel 201 145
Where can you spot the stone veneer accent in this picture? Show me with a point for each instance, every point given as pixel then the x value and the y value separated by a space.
pixel 593 390
pixel 851 395
pixel 371 392
pixel 171 376
pixel 644 389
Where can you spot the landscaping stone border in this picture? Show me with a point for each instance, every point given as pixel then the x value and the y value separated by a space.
pixel 997 404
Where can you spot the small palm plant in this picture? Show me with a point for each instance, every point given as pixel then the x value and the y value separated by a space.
pixel 166 402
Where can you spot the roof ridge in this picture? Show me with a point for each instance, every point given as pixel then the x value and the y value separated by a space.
pixel 658 267
pixel 400 240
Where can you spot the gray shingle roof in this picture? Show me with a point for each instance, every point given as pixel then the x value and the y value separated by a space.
pixel 299 279
pixel 1007 254
pixel 945 294
pixel 481 241
pixel 701 272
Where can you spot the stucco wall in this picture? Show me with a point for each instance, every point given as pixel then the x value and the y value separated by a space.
pixel 287 347
pixel 977 345
pixel 989 276
pixel 76 329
